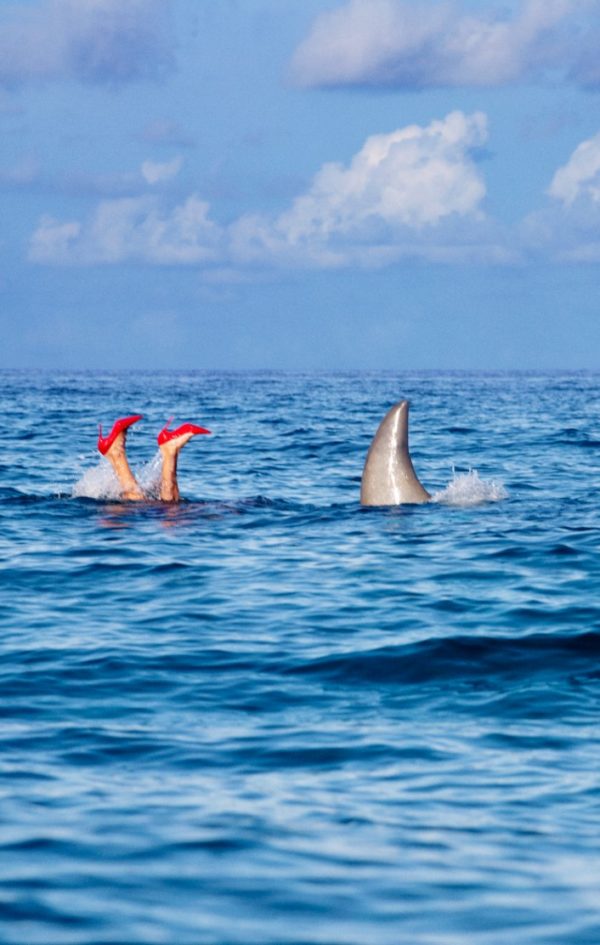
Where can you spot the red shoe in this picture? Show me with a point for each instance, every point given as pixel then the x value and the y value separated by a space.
pixel 105 442
pixel 165 435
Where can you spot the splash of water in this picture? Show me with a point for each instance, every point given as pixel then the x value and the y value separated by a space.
pixel 100 482
pixel 467 489
pixel 148 476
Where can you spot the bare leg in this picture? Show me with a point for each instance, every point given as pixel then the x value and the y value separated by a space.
pixel 117 457
pixel 169 490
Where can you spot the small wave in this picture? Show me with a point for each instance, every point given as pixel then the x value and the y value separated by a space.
pixel 100 481
pixel 9 494
pixel 487 658
pixel 467 489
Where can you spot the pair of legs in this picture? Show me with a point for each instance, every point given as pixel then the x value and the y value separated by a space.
pixel 169 490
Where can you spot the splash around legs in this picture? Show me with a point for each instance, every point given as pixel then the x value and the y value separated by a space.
pixel 170 442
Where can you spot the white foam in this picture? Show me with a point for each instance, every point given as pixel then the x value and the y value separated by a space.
pixel 467 489
pixel 100 482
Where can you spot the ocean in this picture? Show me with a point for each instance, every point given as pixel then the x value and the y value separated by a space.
pixel 268 716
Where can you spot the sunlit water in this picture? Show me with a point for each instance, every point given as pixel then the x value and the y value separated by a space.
pixel 267 715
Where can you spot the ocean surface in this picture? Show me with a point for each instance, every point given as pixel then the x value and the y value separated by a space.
pixel 268 716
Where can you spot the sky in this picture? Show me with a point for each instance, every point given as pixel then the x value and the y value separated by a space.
pixel 300 184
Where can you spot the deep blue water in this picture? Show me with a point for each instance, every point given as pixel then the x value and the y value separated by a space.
pixel 267 715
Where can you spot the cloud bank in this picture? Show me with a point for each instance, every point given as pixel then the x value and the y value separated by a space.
pixel 91 41
pixel 417 191
pixel 131 230
pixel 418 45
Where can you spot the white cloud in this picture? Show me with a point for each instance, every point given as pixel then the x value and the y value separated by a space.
pixel 394 43
pixel 89 40
pixel 563 233
pixel 131 230
pixel 414 177
pixel 580 176
pixel 391 199
pixel 567 229
pixel 154 172
pixel 54 241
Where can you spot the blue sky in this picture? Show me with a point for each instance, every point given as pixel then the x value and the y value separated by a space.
pixel 281 184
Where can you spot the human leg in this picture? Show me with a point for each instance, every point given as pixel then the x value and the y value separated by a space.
pixel 113 448
pixel 170 443
pixel 117 457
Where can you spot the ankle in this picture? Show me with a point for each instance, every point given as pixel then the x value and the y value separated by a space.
pixel 133 495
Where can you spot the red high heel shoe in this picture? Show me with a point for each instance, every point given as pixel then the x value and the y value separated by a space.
pixel 105 442
pixel 165 435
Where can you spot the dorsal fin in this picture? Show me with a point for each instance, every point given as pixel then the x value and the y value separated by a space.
pixel 389 477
